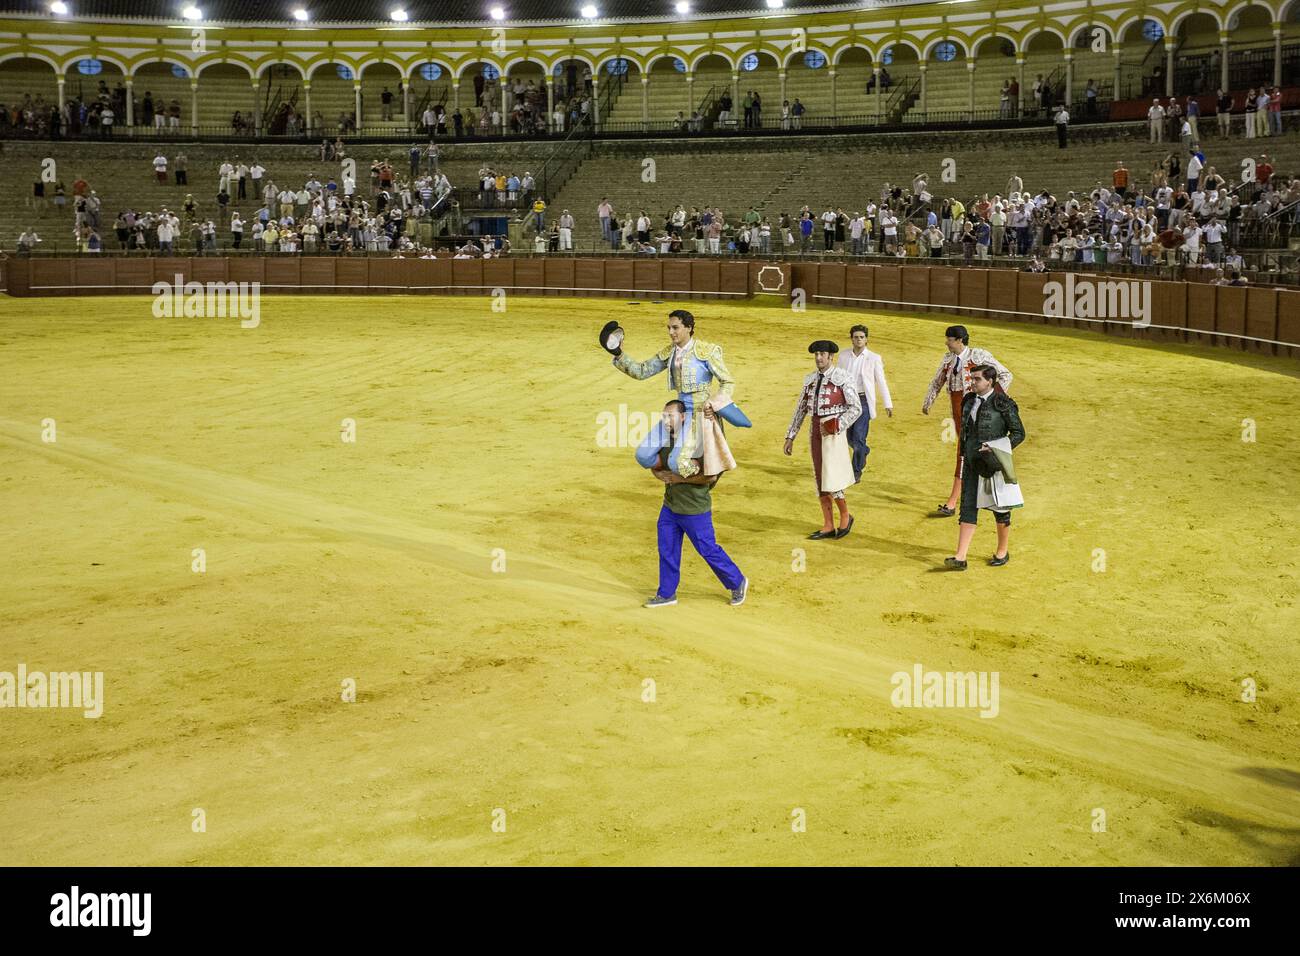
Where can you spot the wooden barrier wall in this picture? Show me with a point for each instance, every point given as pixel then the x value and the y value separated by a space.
pixel 1192 310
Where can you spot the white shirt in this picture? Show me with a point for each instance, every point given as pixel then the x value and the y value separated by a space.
pixel 975 406
pixel 867 371
pixel 257 171
pixel 160 163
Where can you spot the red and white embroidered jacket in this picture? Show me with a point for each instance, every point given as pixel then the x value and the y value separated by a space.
pixel 837 398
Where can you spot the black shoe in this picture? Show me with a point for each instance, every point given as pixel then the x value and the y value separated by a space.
pixel 952 564
pixel 943 511
pixel 996 562
pixel 844 532
pixel 818 535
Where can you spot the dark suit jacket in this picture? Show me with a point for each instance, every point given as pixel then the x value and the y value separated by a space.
pixel 999 417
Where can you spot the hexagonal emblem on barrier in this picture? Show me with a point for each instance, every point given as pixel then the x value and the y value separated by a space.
pixel 771 279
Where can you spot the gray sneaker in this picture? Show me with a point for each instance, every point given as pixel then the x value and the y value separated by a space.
pixel 738 595
pixel 658 601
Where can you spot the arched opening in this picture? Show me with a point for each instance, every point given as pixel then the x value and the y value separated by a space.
pixel 1142 59
pixel 807 90
pixel 627 94
pixel 431 99
pixel 1094 69
pixel 480 95
pixel 1251 52
pixel 29 91
pixel 284 101
pixel 162 94
pixel 225 89
pixel 1044 83
pixel 759 82
pixel 1197 56
pixel 996 79
pixel 947 80
pixel 382 99
pixel 666 93
pixel 571 78
pixel 900 80
pixel 525 98
pixel 853 101
pixel 92 84
pixel 333 97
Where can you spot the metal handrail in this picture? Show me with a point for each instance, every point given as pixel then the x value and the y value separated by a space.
pixel 898 99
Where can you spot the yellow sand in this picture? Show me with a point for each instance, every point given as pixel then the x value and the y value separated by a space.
pixel 523 690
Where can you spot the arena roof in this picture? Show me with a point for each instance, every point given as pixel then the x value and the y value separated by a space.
pixel 370 12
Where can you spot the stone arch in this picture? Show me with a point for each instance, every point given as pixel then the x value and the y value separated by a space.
pixel 811 86
pixel 427 93
pixel 844 49
pixel 224 87
pixel 71 60
pixel 958 41
pixel 1081 35
pixel 1038 33
pixel 155 83
pixel 733 62
pixel 23 73
pixel 795 57
pixel 525 58
pixel 1181 18
pixel 377 76
pixel 283 66
pixel 333 98
pixel 1247 15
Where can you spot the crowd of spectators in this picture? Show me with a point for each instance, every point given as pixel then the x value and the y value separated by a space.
pixel 96 114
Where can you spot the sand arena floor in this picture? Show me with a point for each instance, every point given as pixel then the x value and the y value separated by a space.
pixel 475 562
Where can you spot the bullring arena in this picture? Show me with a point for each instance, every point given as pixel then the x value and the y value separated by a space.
pixel 360 557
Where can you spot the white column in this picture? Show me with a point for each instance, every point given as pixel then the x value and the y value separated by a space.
pixel 504 86
pixel 406 100
pixel 875 71
pixel 690 94
pixel 1223 61
pixel 970 76
pixel 194 106
pixel 455 94
pixel 834 111
pixel 550 101
pixel 1069 79
pixel 1020 82
pixel 645 102
pixel 130 102
pixel 781 76
pixel 595 102
pixel 356 99
pixel 257 107
pixel 1277 54
pixel 1115 93
pixel 306 93
pixel 1169 65
pixel 922 67
pixel 735 94
pixel 61 80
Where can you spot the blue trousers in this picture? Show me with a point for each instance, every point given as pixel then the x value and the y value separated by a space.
pixel 699 528
pixel 858 439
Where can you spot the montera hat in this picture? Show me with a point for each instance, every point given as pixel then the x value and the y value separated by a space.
pixel 823 345
pixel 611 337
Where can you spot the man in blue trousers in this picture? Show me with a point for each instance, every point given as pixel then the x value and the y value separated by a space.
pixel 688 510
